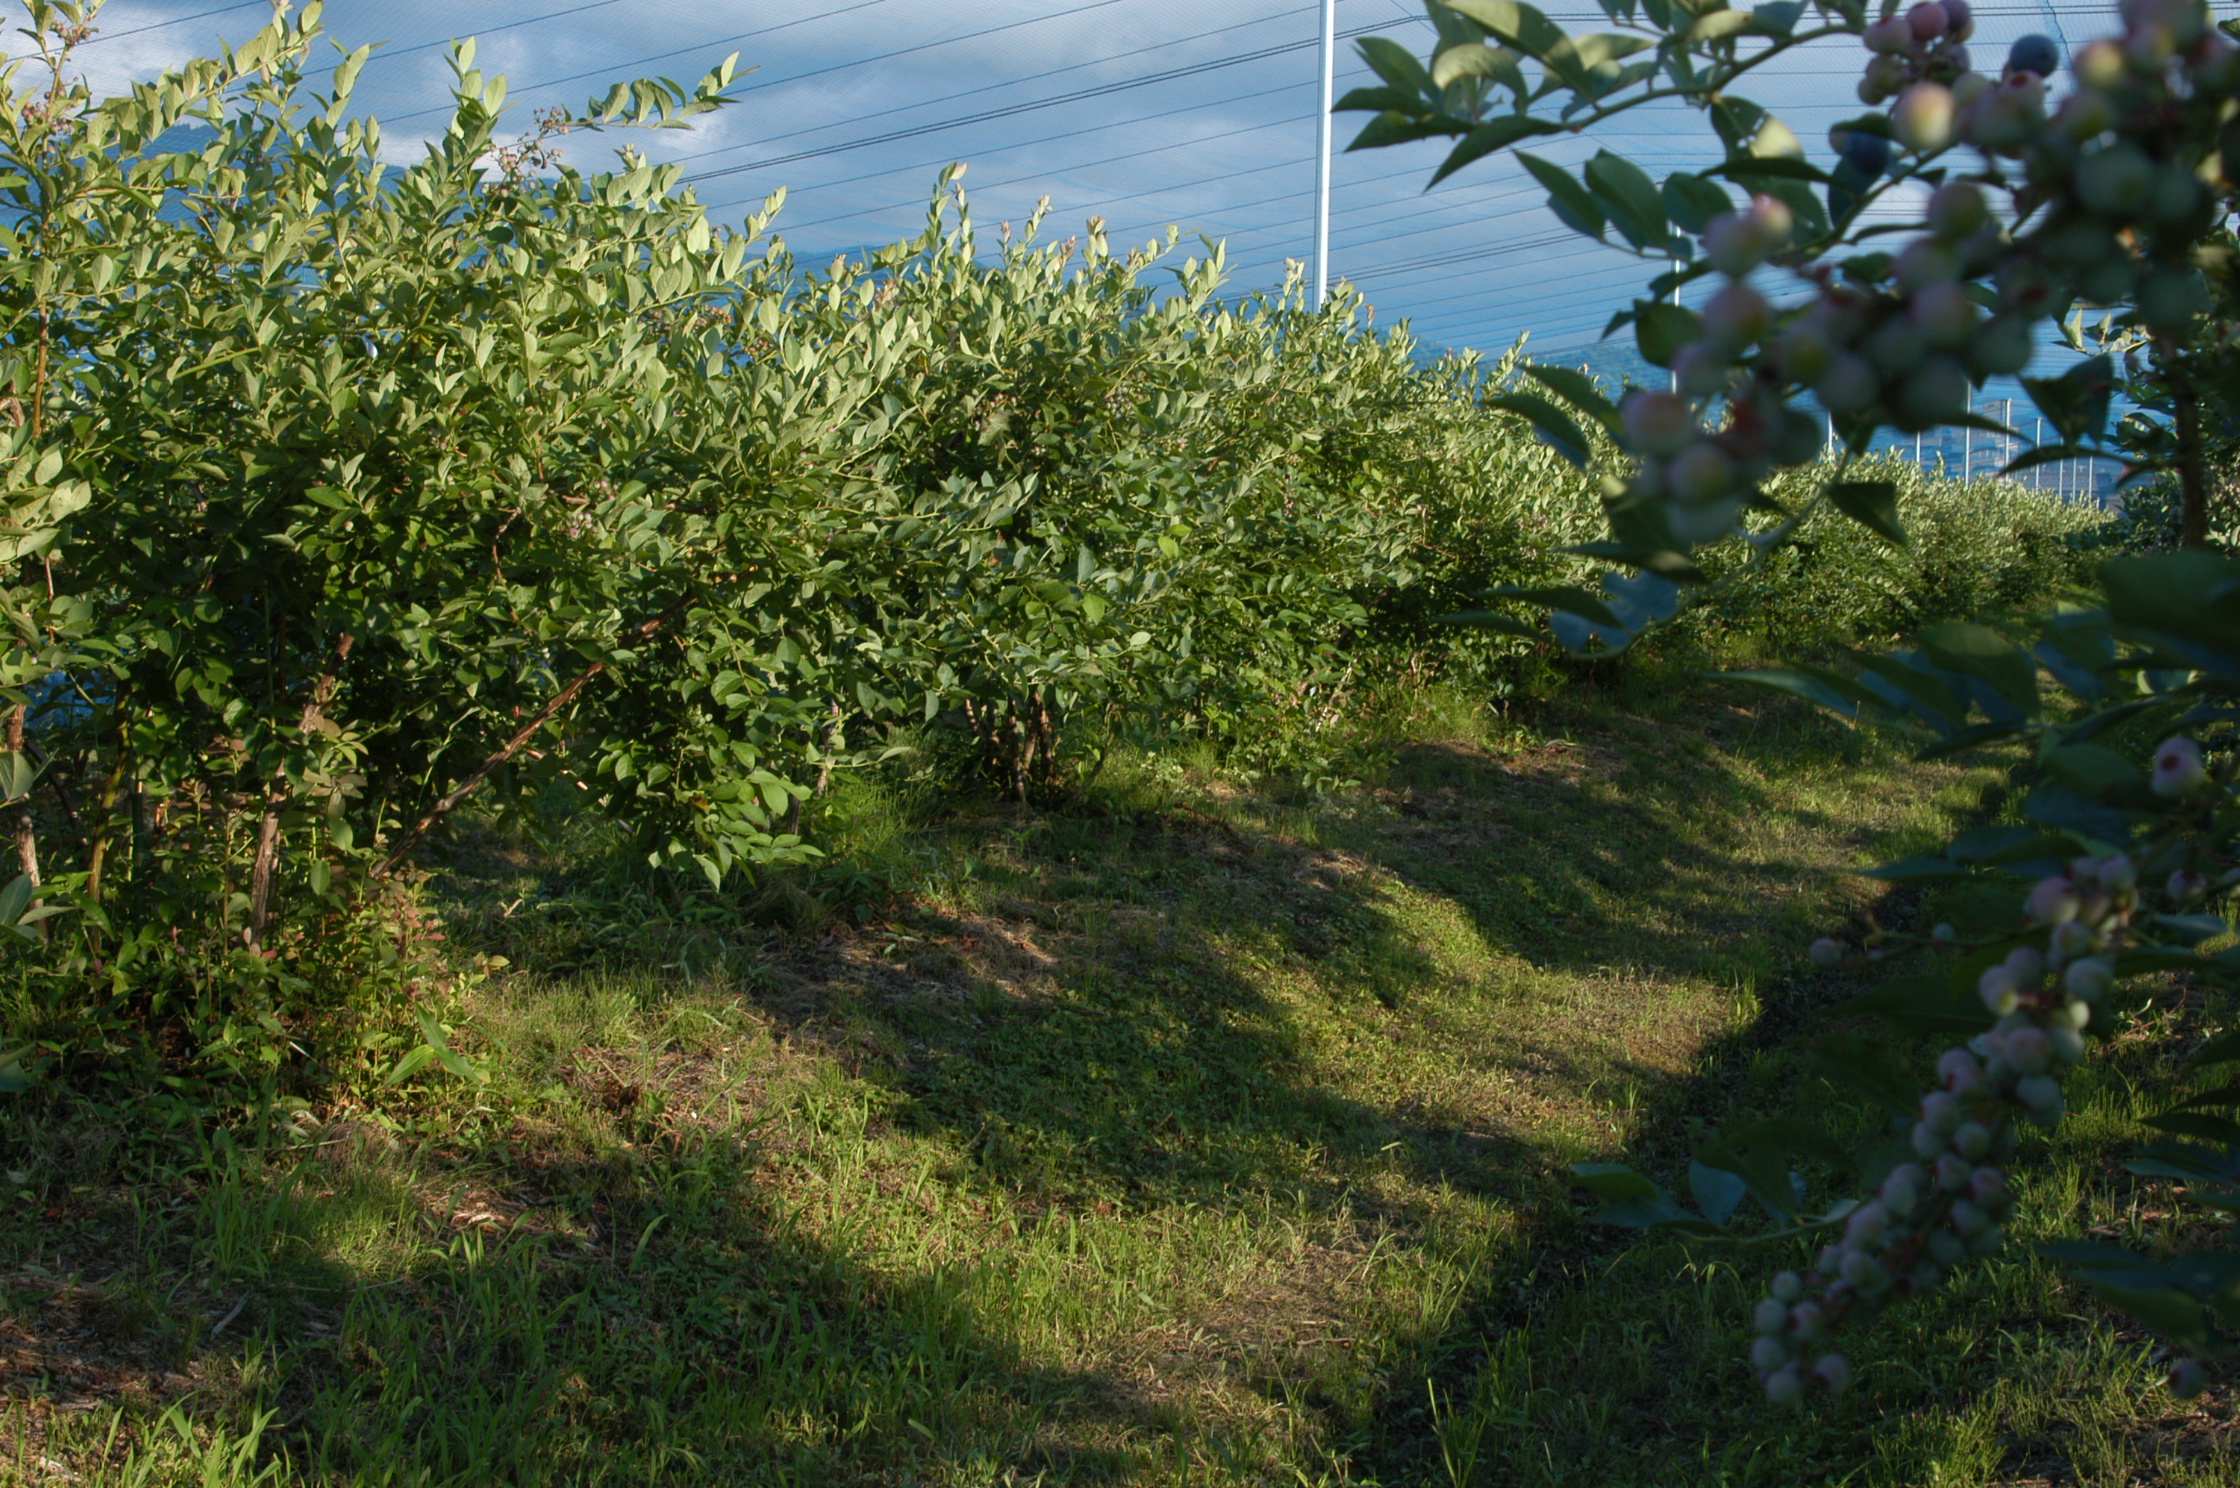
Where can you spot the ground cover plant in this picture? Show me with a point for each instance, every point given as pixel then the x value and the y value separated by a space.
pixel 643 863
pixel 2118 193
pixel 1190 1134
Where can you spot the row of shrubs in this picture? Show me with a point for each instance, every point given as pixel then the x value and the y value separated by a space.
pixel 345 495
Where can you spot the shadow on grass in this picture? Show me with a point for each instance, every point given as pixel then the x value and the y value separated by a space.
pixel 628 1318
pixel 1130 1003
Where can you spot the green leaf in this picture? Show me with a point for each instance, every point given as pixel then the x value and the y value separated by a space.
pixel 1718 25
pixel 2198 1124
pixel 1551 423
pixel 1569 597
pixel 1579 390
pixel 1978 651
pixel 1873 505
pixel 1611 1182
pixel 1395 129
pixel 2092 770
pixel 1386 99
pixel 1629 198
pixel 409 1065
pixel 1661 329
pixel 1395 64
pixel 1471 59
pixel 2166 1310
pixel 1520 25
pixel 1572 202
pixel 2075 403
pixel 1831 690
pixel 1494 134
pixel 1691 201
pixel 2191 594
pixel 1491 620
pixel 1716 1191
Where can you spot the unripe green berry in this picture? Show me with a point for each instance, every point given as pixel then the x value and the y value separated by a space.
pixel 1987 1187
pixel 1737 317
pixel 2006 119
pixel 1803 350
pixel 2177 198
pixel 1896 347
pixel 2115 181
pixel 1936 393
pixel 1768 1354
pixel 1958 1071
pixel 1788 1286
pixel 1951 1174
pixel 2067 1042
pixel 2109 283
pixel 1958 208
pixel 1783 1387
pixel 1901 1190
pixel 1658 422
pixel 2169 299
pixel 1924 262
pixel 2089 979
pixel 1702 369
pixel 1696 522
pixel 2041 1094
pixel 2101 64
pixel 1890 36
pixel 1943 315
pixel 1966 1219
pixel 1997 989
pixel 1947 1249
pixel 1849 385
pixel 1796 438
pixel 1770 1317
pixel 2085 115
pixel 2029 1051
pixel 1924 117
pixel 1971 1139
pixel 1865 1273
pixel 1700 473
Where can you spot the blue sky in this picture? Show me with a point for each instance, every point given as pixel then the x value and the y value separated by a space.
pixel 1194 112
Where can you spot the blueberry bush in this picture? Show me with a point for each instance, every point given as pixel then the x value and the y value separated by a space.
pixel 2043 191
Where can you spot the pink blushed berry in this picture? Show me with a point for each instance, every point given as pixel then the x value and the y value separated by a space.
pixel 2177 767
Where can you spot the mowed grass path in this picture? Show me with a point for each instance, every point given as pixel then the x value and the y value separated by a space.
pixel 1184 1135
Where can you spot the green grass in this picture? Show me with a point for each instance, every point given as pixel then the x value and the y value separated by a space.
pixel 1195 1133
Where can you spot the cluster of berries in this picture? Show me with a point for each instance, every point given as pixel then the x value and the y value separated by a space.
pixel 1926 44
pixel 1930 1215
pixel 2112 178
pixel 1925 1219
pixel 1704 476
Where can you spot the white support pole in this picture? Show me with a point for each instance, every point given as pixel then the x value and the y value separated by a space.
pixel 1968 441
pixel 1676 300
pixel 1322 152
